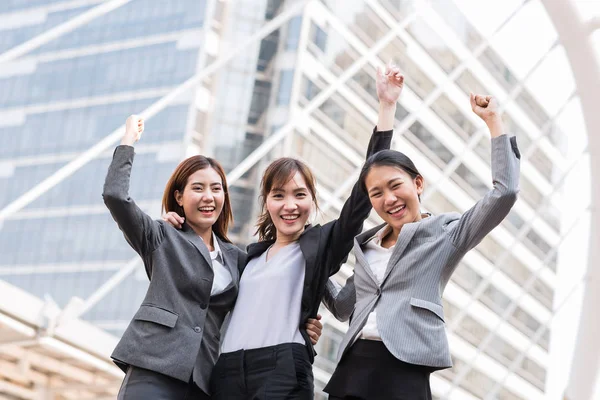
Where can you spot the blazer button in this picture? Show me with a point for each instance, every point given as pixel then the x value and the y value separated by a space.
pixel 378 292
pixel 197 329
pixel 203 306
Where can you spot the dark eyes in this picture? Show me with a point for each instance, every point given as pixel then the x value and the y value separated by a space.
pixel 214 188
pixel 299 195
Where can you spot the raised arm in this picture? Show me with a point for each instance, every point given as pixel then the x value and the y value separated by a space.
pixel 357 208
pixel 140 231
pixel 340 300
pixel 488 212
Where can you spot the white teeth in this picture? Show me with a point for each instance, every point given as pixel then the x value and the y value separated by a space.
pixel 395 210
pixel 206 209
pixel 289 217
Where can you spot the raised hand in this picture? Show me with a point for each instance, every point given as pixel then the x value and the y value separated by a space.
pixel 389 84
pixel 134 127
pixel 486 108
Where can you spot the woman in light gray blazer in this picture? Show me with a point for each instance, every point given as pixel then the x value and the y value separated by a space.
pixel 397 335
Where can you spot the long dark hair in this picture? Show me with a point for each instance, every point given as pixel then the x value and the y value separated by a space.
pixel 389 158
pixel 179 179
pixel 277 174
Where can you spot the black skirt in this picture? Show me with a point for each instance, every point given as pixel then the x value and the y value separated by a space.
pixel 369 371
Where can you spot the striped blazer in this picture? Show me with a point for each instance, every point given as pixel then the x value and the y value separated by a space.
pixel 410 315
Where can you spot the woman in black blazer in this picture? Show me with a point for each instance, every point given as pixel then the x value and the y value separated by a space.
pixel 170 347
pixel 286 273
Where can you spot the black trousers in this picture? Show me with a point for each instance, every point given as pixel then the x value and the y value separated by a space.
pixel 368 371
pixel 143 384
pixel 269 373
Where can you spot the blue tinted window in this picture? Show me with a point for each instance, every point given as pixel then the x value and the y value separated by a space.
pixel 78 129
pixel 65 239
pixel 100 74
pixel 286 79
pixel 293 33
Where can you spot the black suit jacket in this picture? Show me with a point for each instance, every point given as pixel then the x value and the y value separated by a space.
pixel 326 247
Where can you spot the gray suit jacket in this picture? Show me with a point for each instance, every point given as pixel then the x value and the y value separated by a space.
pixel 177 327
pixel 410 315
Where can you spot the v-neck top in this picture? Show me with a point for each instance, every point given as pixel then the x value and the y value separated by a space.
pixel 378 258
pixel 267 309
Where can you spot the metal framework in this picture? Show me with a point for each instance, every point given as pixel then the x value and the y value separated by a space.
pixel 576 37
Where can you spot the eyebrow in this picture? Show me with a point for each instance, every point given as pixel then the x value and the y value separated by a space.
pixel 201 183
pixel 300 189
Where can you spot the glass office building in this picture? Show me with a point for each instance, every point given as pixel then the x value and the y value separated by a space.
pixel 304 88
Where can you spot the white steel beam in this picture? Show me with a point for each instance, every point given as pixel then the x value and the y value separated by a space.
pixel 585 63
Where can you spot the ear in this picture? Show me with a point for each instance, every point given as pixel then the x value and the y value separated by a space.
pixel 178 197
pixel 420 184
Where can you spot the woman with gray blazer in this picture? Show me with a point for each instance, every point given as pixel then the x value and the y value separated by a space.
pixel 171 345
pixel 397 333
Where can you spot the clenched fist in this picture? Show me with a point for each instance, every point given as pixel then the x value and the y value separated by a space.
pixel 486 107
pixel 134 126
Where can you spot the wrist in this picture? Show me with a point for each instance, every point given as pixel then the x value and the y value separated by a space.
pixel 386 105
pixel 495 126
pixel 493 119
pixel 127 141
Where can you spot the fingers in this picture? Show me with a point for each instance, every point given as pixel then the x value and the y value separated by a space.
pixel 388 67
pixel 315 324
pixel 478 100
pixel 482 101
pixel 173 219
pixel 314 329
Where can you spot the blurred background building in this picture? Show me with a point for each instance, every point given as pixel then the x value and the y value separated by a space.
pixel 267 78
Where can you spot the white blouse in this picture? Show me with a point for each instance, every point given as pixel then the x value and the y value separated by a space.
pixel 267 310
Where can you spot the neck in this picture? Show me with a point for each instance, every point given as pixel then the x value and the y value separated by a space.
pixel 282 239
pixel 391 237
pixel 206 234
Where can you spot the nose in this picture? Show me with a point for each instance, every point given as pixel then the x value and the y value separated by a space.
pixel 390 198
pixel 207 196
pixel 290 204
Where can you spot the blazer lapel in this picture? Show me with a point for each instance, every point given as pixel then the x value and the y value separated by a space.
pixel 360 241
pixel 189 233
pixel 406 234
pixel 309 245
pixel 230 259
